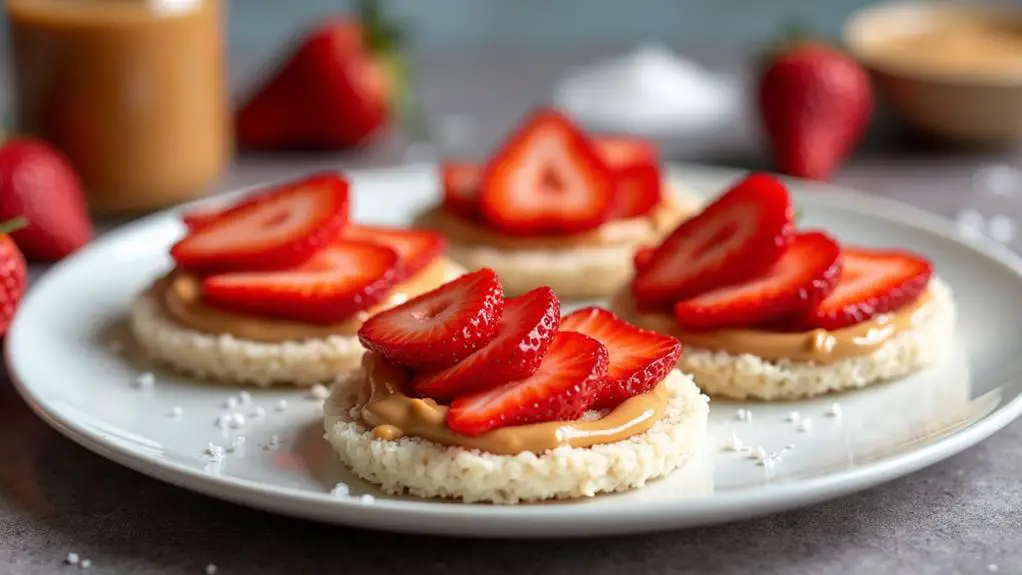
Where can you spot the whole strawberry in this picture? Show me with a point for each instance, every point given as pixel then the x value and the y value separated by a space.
pixel 815 104
pixel 37 182
pixel 336 90
pixel 12 276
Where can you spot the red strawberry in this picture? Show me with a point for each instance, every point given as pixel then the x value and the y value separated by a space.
pixel 572 372
pixel 338 281
pixel 38 182
pixel 638 359
pixel 735 238
pixel 642 257
pixel 527 326
pixel 804 275
pixel 546 179
pixel 273 230
pixel 461 188
pixel 195 218
pixel 331 92
pixel 12 276
pixel 439 328
pixel 416 249
pixel 815 104
pixel 636 167
pixel 872 282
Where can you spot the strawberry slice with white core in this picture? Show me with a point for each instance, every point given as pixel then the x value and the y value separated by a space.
pixel 337 282
pixel 572 372
pixel 461 182
pixel 872 282
pixel 276 230
pixel 416 249
pixel 527 325
pixel 547 179
pixel 796 283
pixel 638 359
pixel 636 167
pixel 737 237
pixel 439 328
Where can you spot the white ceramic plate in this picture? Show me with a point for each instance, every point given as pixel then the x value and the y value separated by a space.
pixel 59 357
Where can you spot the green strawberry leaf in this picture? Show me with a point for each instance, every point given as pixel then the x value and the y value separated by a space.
pixel 798 215
pixel 13 225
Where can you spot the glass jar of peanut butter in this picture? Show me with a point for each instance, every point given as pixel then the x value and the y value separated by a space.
pixel 134 92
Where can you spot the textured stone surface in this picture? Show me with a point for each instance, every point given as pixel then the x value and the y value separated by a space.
pixel 960 516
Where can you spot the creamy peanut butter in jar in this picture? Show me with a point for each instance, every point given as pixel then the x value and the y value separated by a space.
pixel 134 92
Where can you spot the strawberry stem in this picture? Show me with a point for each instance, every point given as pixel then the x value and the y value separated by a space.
pixel 13 225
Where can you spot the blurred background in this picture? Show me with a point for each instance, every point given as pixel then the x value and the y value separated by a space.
pixel 155 102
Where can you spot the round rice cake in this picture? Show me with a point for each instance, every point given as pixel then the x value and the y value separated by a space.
pixel 426 469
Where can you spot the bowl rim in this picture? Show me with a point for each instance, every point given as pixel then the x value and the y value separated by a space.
pixel 856 27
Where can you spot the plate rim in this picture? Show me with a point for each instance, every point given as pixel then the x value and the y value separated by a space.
pixel 610 518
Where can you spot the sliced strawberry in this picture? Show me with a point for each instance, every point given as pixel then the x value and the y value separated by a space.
pixel 804 275
pixel 636 166
pixel 527 326
pixel 638 359
pixel 872 282
pixel 547 179
pixel 198 217
pixel 561 389
pixel 439 328
pixel 338 281
pixel 642 257
pixel 737 237
pixel 274 230
pixel 461 188
pixel 416 249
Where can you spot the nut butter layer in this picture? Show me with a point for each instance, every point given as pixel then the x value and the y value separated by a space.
pixel 818 346
pixel 392 415
pixel 181 297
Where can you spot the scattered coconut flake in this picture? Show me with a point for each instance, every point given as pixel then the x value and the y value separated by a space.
pixel 1001 228
pixel 211 569
pixel 244 397
pixel 366 499
pixel 236 444
pixel 992 567
pixel 744 415
pixel 792 417
pixel 85 563
pixel 176 412
pixel 789 447
pixel 145 380
pixel 257 413
pixel 835 410
pixel 273 444
pixel 970 223
pixel 231 402
pixel 734 443
pixel 319 391
pixel 214 451
pixel 236 420
pixel 72 558
pixel 281 405
pixel 340 490
pixel 806 425
pixel 758 453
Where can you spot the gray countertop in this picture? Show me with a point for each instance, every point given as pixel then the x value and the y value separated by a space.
pixel 959 516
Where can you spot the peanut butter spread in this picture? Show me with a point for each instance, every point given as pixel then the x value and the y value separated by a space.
pixel 393 415
pixel 181 295
pixel 818 346
pixel 632 231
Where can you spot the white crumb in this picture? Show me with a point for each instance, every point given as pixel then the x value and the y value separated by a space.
pixel 236 420
pixel 145 380
pixel 72 558
pixel 282 405
pixel 257 413
pixel 835 410
pixel 214 451
pixel 319 391
pixel 734 443
pixel 176 412
pixel 231 402
pixel 85 563
pixel 806 425
pixel 366 499
pixel 339 490
pixel 273 444
pixel 211 569
pixel 792 417
pixel 244 397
